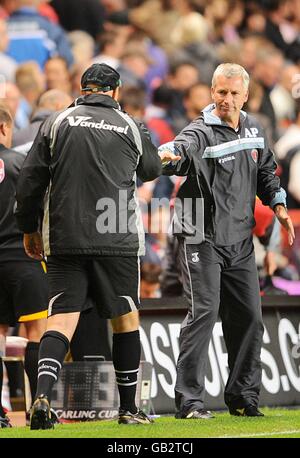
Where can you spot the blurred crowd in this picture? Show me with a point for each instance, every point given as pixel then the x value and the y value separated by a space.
pixel 166 52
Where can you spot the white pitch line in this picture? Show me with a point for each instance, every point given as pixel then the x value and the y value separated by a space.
pixel 260 434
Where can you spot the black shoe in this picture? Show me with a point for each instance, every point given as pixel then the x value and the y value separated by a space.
pixel 197 414
pixel 40 417
pixel 5 422
pixel 248 411
pixel 128 418
pixel 53 415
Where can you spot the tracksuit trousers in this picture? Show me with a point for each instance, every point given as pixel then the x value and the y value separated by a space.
pixel 224 281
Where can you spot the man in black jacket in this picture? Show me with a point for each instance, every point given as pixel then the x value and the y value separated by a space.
pixel 88 157
pixel 23 283
pixel 226 160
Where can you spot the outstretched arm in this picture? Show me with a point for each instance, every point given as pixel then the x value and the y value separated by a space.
pixel 167 154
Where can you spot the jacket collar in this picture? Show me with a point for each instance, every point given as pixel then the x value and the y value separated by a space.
pixel 97 100
pixel 212 119
pixel 41 115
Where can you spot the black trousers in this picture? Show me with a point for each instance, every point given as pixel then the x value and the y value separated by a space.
pixel 220 280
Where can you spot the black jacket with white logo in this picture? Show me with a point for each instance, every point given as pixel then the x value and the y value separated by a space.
pixel 225 170
pixel 11 238
pixel 87 158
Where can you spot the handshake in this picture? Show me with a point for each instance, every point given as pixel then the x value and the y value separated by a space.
pixel 167 154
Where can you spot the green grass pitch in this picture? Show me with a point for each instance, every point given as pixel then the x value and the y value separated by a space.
pixel 277 423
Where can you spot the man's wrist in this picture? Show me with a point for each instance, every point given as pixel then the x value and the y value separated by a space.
pixel 278 208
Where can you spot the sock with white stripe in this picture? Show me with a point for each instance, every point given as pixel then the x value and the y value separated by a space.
pixel 53 349
pixel 126 358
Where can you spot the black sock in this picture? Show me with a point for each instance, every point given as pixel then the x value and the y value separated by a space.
pixel 31 365
pixel 126 358
pixel 53 349
pixel 2 413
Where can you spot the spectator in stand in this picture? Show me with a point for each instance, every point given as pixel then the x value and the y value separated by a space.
pixel 157 18
pixel 282 96
pixel 275 12
pixel 253 107
pixel 33 37
pixel 57 75
pixel 82 45
pixel 115 6
pixel 87 15
pixel 112 46
pixel 76 73
pixel 287 151
pixel 136 61
pixel 182 75
pixel 159 66
pixel 191 25
pixel 250 45
pixel 10 97
pixel 195 98
pixel 267 72
pixel 254 19
pixel 31 84
pixel 156 114
pixel 3 13
pixel 8 65
pixel 48 11
pixel 51 101
pixel 133 101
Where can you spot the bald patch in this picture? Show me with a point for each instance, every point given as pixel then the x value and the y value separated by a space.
pixel 54 100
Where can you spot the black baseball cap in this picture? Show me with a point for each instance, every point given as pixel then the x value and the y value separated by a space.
pixel 104 76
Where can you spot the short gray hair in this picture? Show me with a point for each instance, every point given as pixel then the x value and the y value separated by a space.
pixel 230 70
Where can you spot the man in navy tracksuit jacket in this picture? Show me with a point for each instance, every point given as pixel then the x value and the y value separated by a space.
pixel 226 161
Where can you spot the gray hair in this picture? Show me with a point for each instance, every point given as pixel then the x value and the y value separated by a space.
pixel 230 70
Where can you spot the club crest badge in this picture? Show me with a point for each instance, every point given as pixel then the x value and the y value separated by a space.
pixel 254 155
pixel 2 171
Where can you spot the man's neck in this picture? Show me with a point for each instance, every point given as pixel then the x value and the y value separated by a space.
pixel 233 123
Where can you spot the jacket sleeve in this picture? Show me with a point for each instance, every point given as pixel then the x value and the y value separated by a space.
pixel 33 181
pixel 185 145
pixel 149 166
pixel 268 184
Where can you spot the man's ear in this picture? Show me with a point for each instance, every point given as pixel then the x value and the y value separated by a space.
pixel 3 129
pixel 116 93
pixel 212 92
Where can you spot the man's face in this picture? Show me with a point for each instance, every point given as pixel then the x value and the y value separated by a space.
pixel 229 96
pixel 56 74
